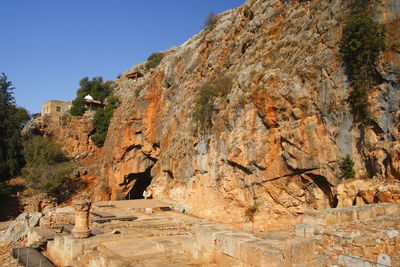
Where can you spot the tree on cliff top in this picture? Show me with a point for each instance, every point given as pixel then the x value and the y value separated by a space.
pixel 97 88
pixel 12 119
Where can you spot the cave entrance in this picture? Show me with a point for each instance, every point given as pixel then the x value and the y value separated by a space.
pixel 143 180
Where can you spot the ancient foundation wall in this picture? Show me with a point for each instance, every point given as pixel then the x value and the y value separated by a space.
pixel 349 214
pixel 227 247
pixel 365 231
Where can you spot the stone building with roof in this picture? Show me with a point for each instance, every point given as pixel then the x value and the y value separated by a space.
pixel 55 107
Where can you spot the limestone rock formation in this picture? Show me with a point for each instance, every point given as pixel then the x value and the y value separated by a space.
pixel 278 134
pixel 21 226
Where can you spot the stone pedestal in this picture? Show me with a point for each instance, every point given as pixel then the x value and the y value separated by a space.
pixel 81 229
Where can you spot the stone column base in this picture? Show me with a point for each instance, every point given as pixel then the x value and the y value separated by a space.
pixel 80 234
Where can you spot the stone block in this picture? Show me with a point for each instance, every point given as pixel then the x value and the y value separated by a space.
pixel 204 255
pixel 352 261
pixel 229 243
pixel 304 230
pixel 364 213
pixel 320 261
pixel 391 208
pixel 260 253
pixel 205 234
pixel 224 260
pixel 315 217
pixel 189 244
pixel 298 250
pixel 346 215
pixel 378 210
pixel 331 217
pixel 73 247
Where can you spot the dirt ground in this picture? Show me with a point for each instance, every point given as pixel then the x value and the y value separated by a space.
pixel 6 259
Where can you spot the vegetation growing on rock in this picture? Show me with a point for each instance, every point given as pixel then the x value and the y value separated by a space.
pixel 46 167
pixel 347 167
pixel 78 107
pixel 210 20
pixel 250 212
pixel 101 121
pixel 204 103
pixel 153 60
pixel 363 40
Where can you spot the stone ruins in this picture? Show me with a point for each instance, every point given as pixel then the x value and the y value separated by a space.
pixel 151 233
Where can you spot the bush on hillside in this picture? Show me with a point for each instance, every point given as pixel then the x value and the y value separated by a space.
pixel 46 167
pixel 154 60
pixel 204 103
pixel 78 107
pixel 210 20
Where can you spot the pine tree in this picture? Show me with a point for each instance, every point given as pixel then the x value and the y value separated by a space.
pixel 347 167
pixel 11 121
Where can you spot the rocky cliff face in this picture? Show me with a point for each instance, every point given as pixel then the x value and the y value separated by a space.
pixel 73 133
pixel 277 137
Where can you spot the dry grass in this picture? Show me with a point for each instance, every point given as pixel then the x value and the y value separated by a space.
pixel 250 212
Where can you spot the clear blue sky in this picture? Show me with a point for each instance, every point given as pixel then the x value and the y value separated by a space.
pixel 47 46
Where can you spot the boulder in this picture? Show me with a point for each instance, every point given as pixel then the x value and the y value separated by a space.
pixel 389 193
pixel 21 226
pixel 355 192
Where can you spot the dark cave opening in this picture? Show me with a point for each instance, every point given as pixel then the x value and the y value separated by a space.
pixel 325 186
pixel 143 180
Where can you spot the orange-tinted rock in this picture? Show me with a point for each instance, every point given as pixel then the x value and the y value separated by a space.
pixel 277 136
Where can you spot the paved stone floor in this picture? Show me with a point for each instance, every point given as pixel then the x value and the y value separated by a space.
pixel 158 236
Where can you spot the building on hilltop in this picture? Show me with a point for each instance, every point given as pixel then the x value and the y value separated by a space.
pixel 55 107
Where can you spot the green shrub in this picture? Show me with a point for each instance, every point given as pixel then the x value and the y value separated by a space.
pixel 101 121
pixel 204 103
pixel 78 107
pixel 210 20
pixel 347 167
pixel 362 41
pixel 153 60
pixel 46 166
